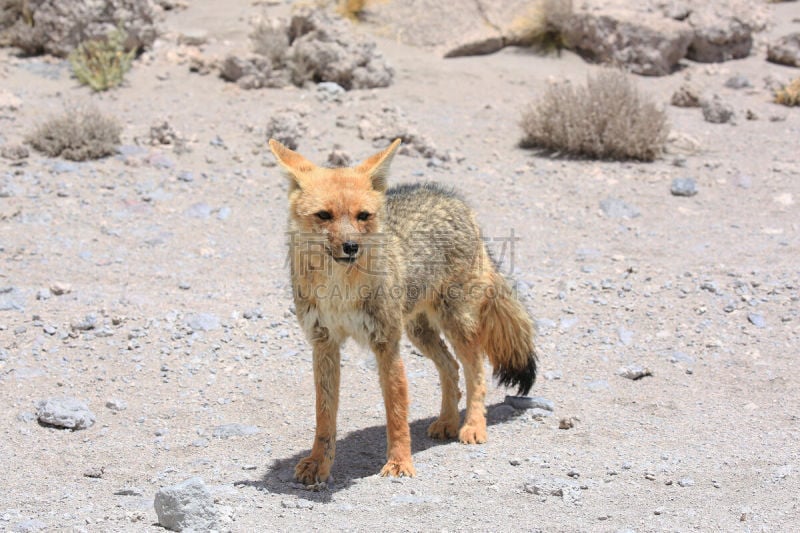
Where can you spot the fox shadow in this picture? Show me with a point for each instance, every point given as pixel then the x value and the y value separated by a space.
pixel 359 454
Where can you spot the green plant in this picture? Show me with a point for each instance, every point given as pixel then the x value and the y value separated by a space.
pixel 606 119
pixel 78 134
pixel 102 64
pixel 789 94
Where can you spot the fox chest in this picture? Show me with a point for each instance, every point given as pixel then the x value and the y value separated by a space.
pixel 340 321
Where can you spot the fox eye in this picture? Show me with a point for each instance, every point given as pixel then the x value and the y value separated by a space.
pixel 324 215
pixel 363 215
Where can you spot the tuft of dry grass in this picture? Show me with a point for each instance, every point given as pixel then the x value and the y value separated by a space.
pixel 351 9
pixel 78 135
pixel 541 26
pixel 789 94
pixel 608 118
pixel 101 64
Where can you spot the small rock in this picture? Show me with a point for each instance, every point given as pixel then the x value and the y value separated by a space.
pixel 234 430
pixel 88 323
pixel 625 336
pixel 683 187
pixel 14 152
pixel 566 423
pixel 616 208
pixel 686 96
pixel 502 412
pixel 686 482
pixel 65 412
pixel 530 402
pixel 115 404
pixel 716 111
pixel 785 50
pixel 129 491
pixel 757 320
pixel 94 472
pixel 186 506
pixel 203 322
pixel 738 82
pixel 339 158
pixel 59 289
pixel 634 372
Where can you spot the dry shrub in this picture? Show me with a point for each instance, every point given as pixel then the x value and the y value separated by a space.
pixel 270 38
pixel 608 118
pixel 789 94
pixel 78 135
pixel 102 63
pixel 541 26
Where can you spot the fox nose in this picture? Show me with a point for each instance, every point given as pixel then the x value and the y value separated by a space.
pixel 350 247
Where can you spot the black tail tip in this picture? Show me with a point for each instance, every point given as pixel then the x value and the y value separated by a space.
pixel 522 378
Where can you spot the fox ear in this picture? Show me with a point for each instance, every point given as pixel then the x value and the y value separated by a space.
pixel 377 166
pixel 295 165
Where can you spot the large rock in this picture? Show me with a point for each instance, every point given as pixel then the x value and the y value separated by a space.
pixel 785 50
pixel 720 34
pixel 324 48
pixel 66 413
pixel 187 506
pixel 58 26
pixel 644 43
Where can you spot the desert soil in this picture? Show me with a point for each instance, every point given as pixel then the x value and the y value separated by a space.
pixel 179 263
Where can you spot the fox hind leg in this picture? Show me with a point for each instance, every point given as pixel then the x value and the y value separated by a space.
pixel 427 339
pixel 473 431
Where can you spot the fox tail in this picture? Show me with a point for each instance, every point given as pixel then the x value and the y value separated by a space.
pixel 506 335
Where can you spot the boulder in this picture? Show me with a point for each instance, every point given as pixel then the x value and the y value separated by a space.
pixel 59 27
pixel 645 43
pixel 785 50
pixel 720 34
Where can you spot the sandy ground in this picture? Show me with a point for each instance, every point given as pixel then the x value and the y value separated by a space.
pixel 180 259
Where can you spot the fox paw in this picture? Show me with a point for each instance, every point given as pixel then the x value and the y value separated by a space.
pixel 443 429
pixel 309 471
pixel 472 434
pixel 398 469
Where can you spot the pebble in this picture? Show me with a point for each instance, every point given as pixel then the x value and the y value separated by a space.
pixel 686 482
pixel 224 213
pixel 757 320
pixel 67 413
pixel 625 336
pixel 598 385
pixel 203 322
pixel 129 491
pixel 234 430
pixel 86 324
pixel 683 187
pixel 186 506
pixel 738 82
pixel 297 504
pixel 566 423
pixel 617 208
pixel 115 404
pixel 634 372
pixel 530 402
pixel 59 288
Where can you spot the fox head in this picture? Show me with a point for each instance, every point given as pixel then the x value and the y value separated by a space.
pixel 342 206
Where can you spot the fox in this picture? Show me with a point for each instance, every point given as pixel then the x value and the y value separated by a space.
pixel 369 262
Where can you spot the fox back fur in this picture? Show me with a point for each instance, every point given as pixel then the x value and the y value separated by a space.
pixel 370 262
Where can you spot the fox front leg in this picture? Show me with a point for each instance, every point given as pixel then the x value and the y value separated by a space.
pixel 316 468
